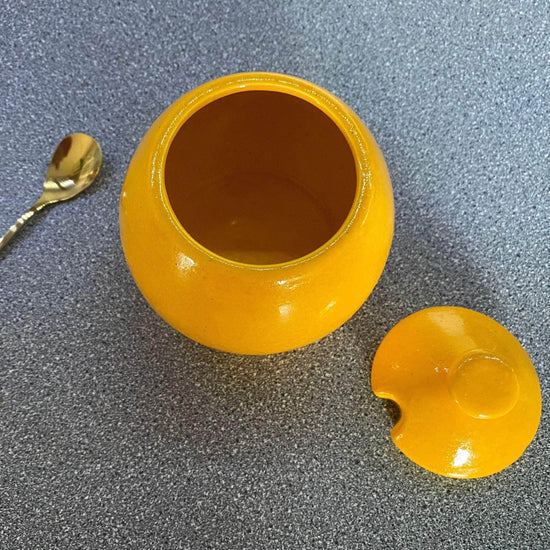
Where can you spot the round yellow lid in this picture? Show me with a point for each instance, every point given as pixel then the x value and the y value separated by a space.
pixel 469 395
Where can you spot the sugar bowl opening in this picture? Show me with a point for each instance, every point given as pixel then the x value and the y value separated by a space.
pixel 260 177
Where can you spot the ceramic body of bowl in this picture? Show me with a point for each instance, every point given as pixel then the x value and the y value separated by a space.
pixel 257 213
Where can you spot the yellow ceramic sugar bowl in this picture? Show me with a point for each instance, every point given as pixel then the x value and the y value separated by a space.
pixel 257 213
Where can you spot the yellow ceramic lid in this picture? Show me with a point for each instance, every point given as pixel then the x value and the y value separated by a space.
pixel 469 395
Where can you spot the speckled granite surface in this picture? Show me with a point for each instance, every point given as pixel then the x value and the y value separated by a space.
pixel 116 431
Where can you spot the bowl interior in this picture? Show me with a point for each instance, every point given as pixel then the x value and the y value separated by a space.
pixel 260 177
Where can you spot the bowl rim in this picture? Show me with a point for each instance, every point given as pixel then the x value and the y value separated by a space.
pixel 335 109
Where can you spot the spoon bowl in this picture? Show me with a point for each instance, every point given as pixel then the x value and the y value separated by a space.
pixel 74 166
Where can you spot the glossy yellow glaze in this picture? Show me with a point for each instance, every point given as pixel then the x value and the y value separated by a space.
pixel 257 213
pixel 469 395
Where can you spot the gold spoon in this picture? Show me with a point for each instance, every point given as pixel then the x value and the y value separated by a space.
pixel 74 166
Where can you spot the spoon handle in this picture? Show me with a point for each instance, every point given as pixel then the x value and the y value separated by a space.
pixel 20 223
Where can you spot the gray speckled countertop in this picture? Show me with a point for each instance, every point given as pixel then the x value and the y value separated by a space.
pixel 118 432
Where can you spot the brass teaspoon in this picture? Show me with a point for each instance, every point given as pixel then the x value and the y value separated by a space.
pixel 74 166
